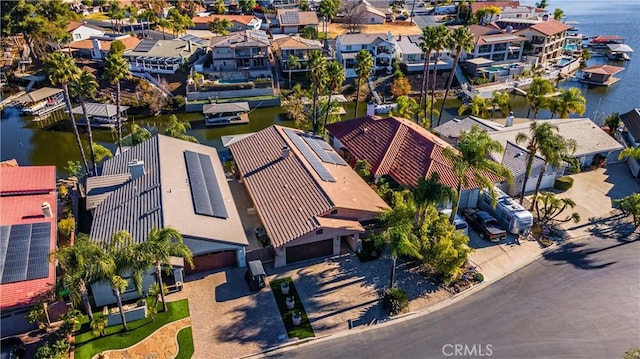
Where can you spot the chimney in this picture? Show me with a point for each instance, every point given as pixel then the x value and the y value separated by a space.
pixel 285 152
pixel 96 48
pixel 509 29
pixel 189 45
pixel 371 109
pixel 509 121
pixel 46 210
pixel 400 37
pixel 545 17
pixel 136 168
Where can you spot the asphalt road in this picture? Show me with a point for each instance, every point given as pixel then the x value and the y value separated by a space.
pixel 582 301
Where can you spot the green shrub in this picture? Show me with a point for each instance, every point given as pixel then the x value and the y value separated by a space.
pixel 66 226
pixel 563 183
pixel 478 277
pixel 176 102
pixel 397 300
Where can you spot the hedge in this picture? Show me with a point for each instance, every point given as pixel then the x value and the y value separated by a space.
pixel 563 183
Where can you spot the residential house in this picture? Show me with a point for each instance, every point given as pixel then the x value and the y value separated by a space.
pixel 515 158
pixel 239 22
pixel 381 46
pixel 292 21
pixel 495 45
pixel 97 47
pixel 82 31
pixel 601 75
pixel 309 200
pixel 240 55
pixel 409 53
pixel 165 182
pixel 401 149
pixel 590 139
pixel 286 45
pixel 547 39
pixel 28 229
pixel 630 134
pixel 164 56
pixel 508 10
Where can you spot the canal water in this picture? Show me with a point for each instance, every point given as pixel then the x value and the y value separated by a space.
pixel 37 144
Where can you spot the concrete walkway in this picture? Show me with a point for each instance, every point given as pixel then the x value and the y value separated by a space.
pixel 163 343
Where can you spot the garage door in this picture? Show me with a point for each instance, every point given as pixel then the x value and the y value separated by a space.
pixel 210 261
pixel 311 250
pixel 547 182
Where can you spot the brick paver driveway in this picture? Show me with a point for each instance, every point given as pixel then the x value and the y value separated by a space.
pixel 228 320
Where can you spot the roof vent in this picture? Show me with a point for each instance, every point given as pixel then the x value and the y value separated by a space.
pixel 509 121
pixel 518 154
pixel 46 210
pixel 136 168
pixel 285 152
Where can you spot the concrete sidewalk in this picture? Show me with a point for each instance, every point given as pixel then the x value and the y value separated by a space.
pixel 496 260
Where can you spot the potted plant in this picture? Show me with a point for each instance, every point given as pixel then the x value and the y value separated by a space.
pixel 291 302
pixel 284 287
pixel 296 317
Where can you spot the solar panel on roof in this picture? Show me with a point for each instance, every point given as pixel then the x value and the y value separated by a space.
pixel 24 252
pixel 308 154
pixel 145 45
pixel 205 192
pixel 323 150
pixel 290 17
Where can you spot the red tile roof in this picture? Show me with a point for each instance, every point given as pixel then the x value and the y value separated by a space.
pixel 242 19
pixel 603 69
pixel 396 147
pixel 24 209
pixel 73 25
pixel 27 180
pixel 550 27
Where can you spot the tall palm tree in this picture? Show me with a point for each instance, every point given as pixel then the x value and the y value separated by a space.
pixel 116 70
pixel 471 163
pixel 554 150
pixel 500 100
pixel 317 71
pixel 571 101
pixel 478 107
pixel 426 45
pixel 160 246
pixel 328 10
pixel 335 78
pixel 62 70
pixel 364 69
pixel 539 134
pixel 440 40
pixel 537 95
pixel 220 26
pixel 86 87
pixel 292 63
pixel 82 264
pixel 400 221
pixel 178 129
pixel 462 40
pixel 554 106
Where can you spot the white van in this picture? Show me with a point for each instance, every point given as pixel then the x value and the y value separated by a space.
pixel 458 222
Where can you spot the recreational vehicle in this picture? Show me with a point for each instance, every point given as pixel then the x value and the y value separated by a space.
pixel 508 212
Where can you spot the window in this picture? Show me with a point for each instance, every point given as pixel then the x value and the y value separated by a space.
pixel 348 47
pixel 500 47
pixel 484 48
pixel 77 36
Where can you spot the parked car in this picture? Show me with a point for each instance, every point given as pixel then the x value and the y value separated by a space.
pixel 458 222
pixel 255 276
pixel 485 224
pixel 401 17
pixel 262 235
pixel 12 348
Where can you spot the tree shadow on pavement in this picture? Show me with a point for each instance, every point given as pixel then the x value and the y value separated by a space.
pixel 617 226
pixel 582 258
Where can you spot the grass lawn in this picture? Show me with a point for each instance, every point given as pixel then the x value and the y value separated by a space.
pixel 185 343
pixel 304 330
pixel 87 345
pixel 102 16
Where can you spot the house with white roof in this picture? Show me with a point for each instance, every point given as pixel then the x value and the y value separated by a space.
pixel 165 56
pixel 381 46
pixel 409 54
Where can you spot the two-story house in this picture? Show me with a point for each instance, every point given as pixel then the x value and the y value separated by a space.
pixel 164 56
pixel 286 45
pixel 241 55
pixel 381 46
pixel 547 39
pixel 508 10
pixel 292 21
pixel 409 53
pixel 238 22
pixel 495 45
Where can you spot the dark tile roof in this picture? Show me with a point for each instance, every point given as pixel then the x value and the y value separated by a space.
pixel 631 122
pixel 452 129
pixel 515 158
pixel 396 147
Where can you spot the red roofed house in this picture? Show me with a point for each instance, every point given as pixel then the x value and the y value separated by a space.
pixel 547 39
pixel 400 149
pixel 98 46
pixel 27 236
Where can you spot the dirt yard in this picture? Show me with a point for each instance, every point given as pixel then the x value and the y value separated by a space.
pixel 396 29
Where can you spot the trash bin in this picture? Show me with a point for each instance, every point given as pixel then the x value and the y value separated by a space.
pixel 255 275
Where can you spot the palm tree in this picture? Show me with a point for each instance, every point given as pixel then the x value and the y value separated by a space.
pixel 440 40
pixel 292 63
pixel 62 70
pixel 558 14
pixel 462 40
pixel 197 77
pixel 335 78
pixel 178 129
pixel 220 26
pixel 317 70
pixel 400 221
pixel 160 246
pixel 164 25
pixel 633 152
pixel 501 101
pixel 553 105
pixel 471 162
pixel 478 107
pixel 136 135
pixel 328 10
pixel 98 326
pixel 86 87
pixel 540 133
pixel 426 45
pixel 571 101
pixel 554 150
pixel 406 108
pixel 82 263
pixel 116 70
pixel 537 95
pixel 364 69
